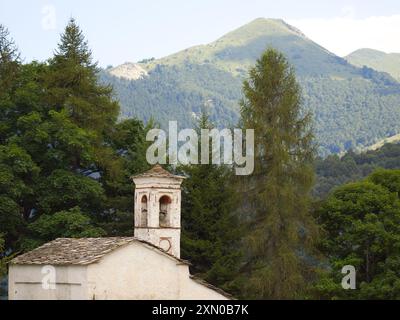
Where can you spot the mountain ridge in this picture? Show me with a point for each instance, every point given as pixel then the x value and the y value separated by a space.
pixel 378 60
pixel 219 51
pixel 352 106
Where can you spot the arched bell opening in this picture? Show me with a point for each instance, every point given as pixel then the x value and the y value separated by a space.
pixel 143 211
pixel 165 208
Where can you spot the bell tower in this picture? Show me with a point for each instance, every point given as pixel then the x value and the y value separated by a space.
pixel 158 209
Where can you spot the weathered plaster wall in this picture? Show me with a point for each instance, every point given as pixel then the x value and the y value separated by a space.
pixel 138 272
pixel 25 283
pixel 154 189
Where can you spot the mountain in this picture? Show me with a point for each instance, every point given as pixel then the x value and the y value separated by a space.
pixel 378 60
pixel 129 71
pixel 353 107
pixel 236 51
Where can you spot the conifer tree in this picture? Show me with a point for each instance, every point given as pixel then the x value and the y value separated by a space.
pixel 9 58
pixel 276 196
pixel 211 232
pixel 74 80
pixel 129 141
pixel 73 87
pixel 9 68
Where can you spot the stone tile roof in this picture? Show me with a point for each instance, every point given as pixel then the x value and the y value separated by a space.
pixel 69 251
pixel 158 171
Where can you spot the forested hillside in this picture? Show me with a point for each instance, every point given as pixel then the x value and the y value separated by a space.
pixel 353 107
pixel 335 171
pixel 179 93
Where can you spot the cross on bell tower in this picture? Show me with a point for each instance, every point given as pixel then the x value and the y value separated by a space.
pixel 158 209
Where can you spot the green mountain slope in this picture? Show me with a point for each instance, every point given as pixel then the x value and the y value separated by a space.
pixel 353 107
pixel 237 51
pixel 378 60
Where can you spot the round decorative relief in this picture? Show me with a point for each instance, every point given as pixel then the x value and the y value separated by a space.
pixel 165 244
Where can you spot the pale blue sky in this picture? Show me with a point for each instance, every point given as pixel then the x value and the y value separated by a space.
pixel 122 30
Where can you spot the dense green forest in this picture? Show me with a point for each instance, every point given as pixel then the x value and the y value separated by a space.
pixel 66 159
pixel 334 171
pixel 170 90
pixel 352 106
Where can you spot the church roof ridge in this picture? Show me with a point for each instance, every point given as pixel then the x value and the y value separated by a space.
pixel 80 251
pixel 158 171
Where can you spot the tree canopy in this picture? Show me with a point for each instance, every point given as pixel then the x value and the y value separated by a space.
pixel 361 222
pixel 65 158
pixel 277 195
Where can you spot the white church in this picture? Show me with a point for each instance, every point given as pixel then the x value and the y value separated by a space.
pixel 146 266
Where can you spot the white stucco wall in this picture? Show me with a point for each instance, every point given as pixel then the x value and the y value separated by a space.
pixel 25 283
pixel 132 272
pixel 140 272
pixel 192 290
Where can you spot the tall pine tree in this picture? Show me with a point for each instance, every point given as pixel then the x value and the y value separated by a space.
pixel 129 141
pixel 210 227
pixel 9 69
pixel 69 139
pixel 276 196
pixel 73 88
pixel 9 59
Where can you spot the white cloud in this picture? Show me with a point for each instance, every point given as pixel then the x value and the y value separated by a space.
pixel 49 18
pixel 343 35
